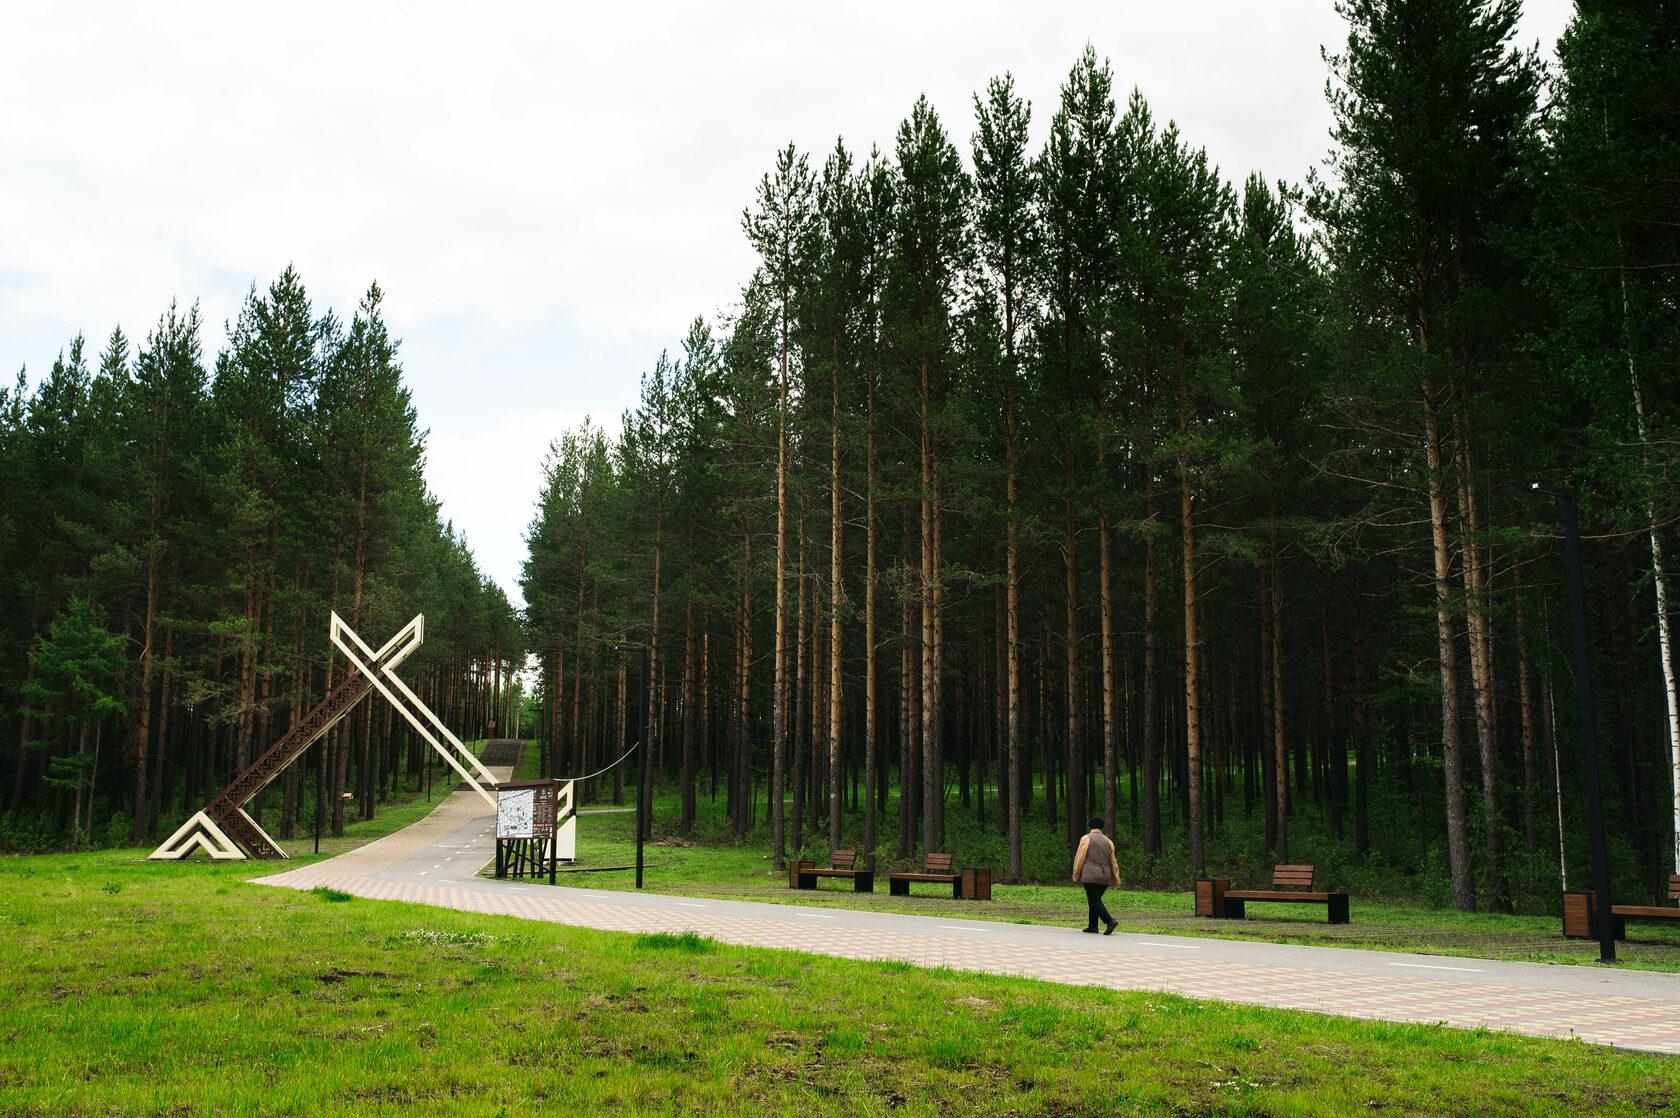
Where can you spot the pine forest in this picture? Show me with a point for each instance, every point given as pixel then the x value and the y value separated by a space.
pixel 1041 471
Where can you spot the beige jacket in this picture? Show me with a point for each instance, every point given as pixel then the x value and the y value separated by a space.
pixel 1096 873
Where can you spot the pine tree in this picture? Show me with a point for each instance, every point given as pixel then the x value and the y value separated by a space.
pixel 1431 108
pixel 75 681
pixel 930 255
pixel 162 408
pixel 781 230
pixel 1005 185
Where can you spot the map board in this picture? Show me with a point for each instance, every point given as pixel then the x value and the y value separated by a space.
pixel 538 809
pixel 515 812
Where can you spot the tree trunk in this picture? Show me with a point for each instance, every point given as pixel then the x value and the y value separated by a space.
pixel 1075 744
pixel 143 720
pixel 1012 583
pixel 1525 706
pixel 1280 741
pixel 686 822
pixel 778 685
pixel 930 787
pixel 936 790
pixel 1192 693
pixel 1659 576
pixel 1361 755
pixel 1151 738
pixel 1334 744
pixel 1109 714
pixel 1452 757
pixel 871 761
pixel 836 597
pixel 909 770
pixel 1481 667
pixel 801 682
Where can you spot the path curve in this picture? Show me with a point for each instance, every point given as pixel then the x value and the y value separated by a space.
pixel 436 860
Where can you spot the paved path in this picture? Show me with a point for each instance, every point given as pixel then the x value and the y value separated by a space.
pixel 436 860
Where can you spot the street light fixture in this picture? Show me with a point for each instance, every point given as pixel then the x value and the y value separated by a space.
pixel 1567 504
pixel 644 807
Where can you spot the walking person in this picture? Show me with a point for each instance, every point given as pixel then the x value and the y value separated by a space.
pixel 1096 868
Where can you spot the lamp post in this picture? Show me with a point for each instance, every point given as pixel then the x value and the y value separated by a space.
pixel 1567 505
pixel 644 806
pixel 320 804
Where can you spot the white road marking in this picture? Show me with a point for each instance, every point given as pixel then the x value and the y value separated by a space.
pixel 814 915
pixel 1432 966
pixel 956 928
pixel 692 904
pixel 1179 946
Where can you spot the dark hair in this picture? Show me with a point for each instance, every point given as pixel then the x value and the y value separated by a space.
pixel 1096 824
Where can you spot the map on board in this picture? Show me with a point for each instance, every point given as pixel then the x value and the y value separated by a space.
pixel 515 812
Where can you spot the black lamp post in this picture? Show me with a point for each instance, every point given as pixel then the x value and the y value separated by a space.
pixel 320 803
pixel 644 807
pixel 1566 500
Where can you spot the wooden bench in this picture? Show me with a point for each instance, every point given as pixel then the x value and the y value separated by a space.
pixel 843 863
pixel 1290 885
pixel 1578 911
pixel 937 868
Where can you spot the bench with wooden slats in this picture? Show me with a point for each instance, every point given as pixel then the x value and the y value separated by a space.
pixel 937 869
pixel 1290 885
pixel 1670 911
pixel 842 863
pixel 1578 917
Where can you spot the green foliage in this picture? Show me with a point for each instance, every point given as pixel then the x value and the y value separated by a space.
pixel 1032 403
pixel 175 541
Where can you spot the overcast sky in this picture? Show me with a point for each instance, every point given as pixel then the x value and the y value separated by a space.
pixel 547 193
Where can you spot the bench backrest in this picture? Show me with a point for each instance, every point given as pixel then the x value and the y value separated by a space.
pixel 1292 877
pixel 843 860
pixel 1674 887
pixel 938 863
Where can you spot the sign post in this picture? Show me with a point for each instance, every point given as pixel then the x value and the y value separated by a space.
pixel 536 827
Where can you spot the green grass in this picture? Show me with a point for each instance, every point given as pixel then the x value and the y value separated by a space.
pixel 177 988
pixel 710 864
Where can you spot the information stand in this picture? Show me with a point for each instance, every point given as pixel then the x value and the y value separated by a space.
pixel 536 828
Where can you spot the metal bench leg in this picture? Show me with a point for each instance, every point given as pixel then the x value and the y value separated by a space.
pixel 898 888
pixel 807 881
pixel 1338 908
pixel 863 882
pixel 1234 910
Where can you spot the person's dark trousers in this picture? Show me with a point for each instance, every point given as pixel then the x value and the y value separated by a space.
pixel 1095 909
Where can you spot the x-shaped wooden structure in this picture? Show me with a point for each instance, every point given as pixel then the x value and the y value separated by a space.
pixel 225 830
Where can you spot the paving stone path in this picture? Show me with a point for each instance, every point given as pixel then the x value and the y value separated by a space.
pixel 436 861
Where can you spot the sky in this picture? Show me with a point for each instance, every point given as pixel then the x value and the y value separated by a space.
pixel 547 193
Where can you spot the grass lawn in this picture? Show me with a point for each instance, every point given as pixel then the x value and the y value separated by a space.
pixel 177 988
pixel 713 865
